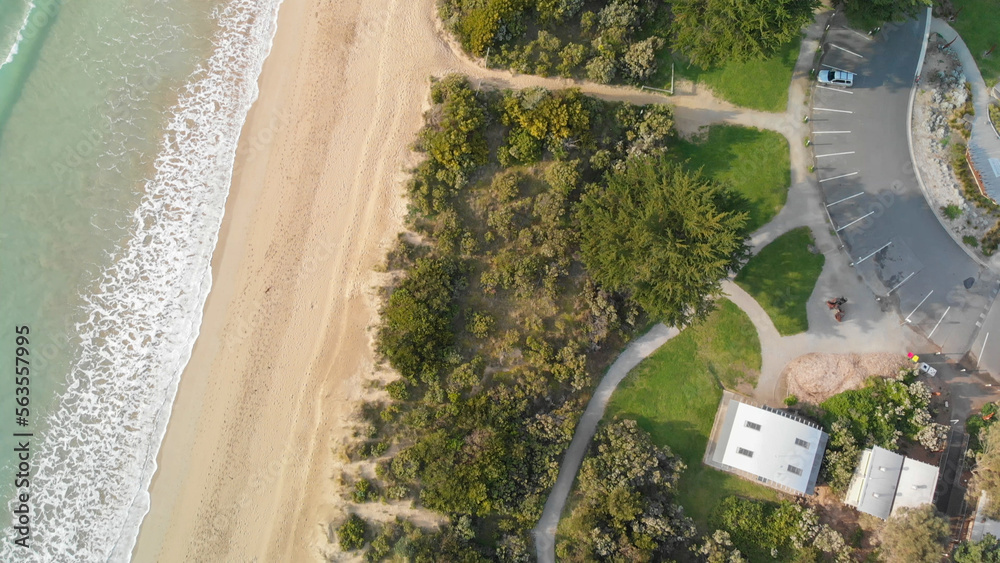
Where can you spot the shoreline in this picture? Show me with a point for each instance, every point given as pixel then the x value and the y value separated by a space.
pixel 248 465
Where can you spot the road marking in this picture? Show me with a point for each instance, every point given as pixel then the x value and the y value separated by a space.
pixel 845 50
pixel 829 133
pixel 835 89
pixel 837 177
pixel 835 68
pixel 872 254
pixel 980 358
pixel 858 33
pixel 938 323
pixel 855 221
pixel 900 283
pixel 834 154
pixel 907 319
pixel 836 110
pixel 845 199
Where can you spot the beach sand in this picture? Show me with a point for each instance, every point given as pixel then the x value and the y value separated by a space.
pixel 244 472
pixel 247 470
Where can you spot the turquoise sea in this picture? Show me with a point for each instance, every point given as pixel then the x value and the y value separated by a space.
pixel 119 121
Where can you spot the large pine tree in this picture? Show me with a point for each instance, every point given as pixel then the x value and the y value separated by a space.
pixel 664 235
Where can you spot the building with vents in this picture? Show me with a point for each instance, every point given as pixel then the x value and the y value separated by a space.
pixel 886 481
pixel 770 446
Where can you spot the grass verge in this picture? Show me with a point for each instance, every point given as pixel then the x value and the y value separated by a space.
pixel 978 23
pixel 674 394
pixel 751 161
pixel 781 277
pixel 761 84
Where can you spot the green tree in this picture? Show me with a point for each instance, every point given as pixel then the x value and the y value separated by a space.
pixel 986 550
pixel 914 535
pixel 352 532
pixel 664 235
pixel 711 31
pixel 877 11
pixel 986 475
pixel 416 322
pixel 626 512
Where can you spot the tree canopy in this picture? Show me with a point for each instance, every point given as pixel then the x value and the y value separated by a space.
pixel 986 550
pixel 710 31
pixel 876 11
pixel 914 535
pixel 664 235
pixel 986 475
pixel 626 511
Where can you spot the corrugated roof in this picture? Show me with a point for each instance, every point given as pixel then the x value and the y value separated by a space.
pixel 879 487
pixel 764 443
pixel 886 481
pixel 916 486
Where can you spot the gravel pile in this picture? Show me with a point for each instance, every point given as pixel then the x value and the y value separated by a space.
pixel 816 377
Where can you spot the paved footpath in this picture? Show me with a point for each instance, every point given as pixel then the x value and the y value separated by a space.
pixel 545 531
pixel 984 143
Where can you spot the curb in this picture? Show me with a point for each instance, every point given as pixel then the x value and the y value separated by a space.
pixel 913 157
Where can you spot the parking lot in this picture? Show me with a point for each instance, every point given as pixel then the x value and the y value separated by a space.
pixel 873 199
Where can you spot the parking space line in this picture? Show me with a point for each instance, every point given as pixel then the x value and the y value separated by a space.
pixel 828 132
pixel 872 254
pixel 895 287
pixel 836 110
pixel 836 89
pixel 938 323
pixel 834 154
pixel 845 199
pixel 846 50
pixel 907 319
pixel 835 68
pixel 982 351
pixel 837 177
pixel 855 221
pixel 858 33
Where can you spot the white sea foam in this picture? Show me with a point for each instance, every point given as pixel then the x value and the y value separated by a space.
pixel 20 33
pixel 94 464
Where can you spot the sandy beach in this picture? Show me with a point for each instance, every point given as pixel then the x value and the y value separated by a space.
pixel 244 472
pixel 247 468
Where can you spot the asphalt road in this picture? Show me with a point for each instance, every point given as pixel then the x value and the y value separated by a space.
pixel 873 198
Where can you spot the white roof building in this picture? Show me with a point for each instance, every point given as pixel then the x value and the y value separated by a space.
pixel 771 446
pixel 885 481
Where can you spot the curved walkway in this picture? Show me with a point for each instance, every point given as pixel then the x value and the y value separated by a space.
pixel 545 531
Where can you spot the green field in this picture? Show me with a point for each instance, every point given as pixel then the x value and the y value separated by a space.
pixel 761 85
pixel 979 25
pixel 781 277
pixel 751 161
pixel 675 393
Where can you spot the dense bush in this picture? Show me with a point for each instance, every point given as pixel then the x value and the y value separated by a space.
pixel 611 40
pixel 710 32
pixel 664 235
pixel 626 510
pixel 986 550
pixel 914 535
pixel 352 532
pixel 495 324
pixel 986 475
pixel 872 12
pixel 764 530
pixel 417 320
pixel 880 414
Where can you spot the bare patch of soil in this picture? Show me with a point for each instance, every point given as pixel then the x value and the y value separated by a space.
pixel 813 378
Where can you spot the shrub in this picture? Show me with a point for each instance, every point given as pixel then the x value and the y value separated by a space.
pixel 791 401
pixel 398 390
pixel 991 240
pixel 601 69
pixel 971 241
pixel 914 535
pixel 363 491
pixel 352 532
pixel 952 211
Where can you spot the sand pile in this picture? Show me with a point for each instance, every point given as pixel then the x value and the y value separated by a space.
pixel 814 378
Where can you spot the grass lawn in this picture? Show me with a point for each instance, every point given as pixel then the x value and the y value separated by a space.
pixel 674 393
pixel 781 277
pixel 751 161
pixel 759 84
pixel 979 26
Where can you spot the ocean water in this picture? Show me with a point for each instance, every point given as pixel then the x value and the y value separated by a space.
pixel 119 121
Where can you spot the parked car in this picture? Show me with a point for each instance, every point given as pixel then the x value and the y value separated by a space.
pixel 837 78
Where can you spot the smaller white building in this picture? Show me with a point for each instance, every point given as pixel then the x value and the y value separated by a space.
pixel 886 481
pixel 770 446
